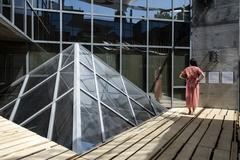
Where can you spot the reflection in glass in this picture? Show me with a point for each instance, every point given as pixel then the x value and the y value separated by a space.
pixel 109 54
pixel 46 4
pixel 141 114
pixel 160 75
pixel 106 29
pixel 6 9
pixel 76 27
pixel 77 5
pixel 160 33
pixel 19 14
pixel 181 60
pixel 181 10
pixel 29 21
pixel 135 8
pixel 6 112
pixel 46 26
pixel 90 122
pixel 134 61
pixel 160 9
pixel 113 124
pixel 179 97
pixel 63 123
pixel 106 7
pixel 181 34
pixel 115 99
pixel 134 31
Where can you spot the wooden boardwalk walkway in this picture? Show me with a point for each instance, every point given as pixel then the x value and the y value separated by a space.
pixel 208 134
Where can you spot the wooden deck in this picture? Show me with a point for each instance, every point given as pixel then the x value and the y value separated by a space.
pixel 19 143
pixel 208 134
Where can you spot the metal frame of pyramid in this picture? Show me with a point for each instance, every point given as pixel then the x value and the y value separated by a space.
pixel 78 101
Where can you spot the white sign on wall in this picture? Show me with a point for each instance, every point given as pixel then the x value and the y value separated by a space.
pixel 227 77
pixel 213 77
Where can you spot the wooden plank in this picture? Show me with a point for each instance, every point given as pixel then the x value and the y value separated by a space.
pixel 48 153
pixel 13 137
pixel 173 149
pixel 65 155
pixel 202 153
pixel 122 138
pixel 189 147
pixel 29 151
pixel 127 144
pixel 221 155
pixel 152 144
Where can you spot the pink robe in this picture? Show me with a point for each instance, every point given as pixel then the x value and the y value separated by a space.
pixel 192 74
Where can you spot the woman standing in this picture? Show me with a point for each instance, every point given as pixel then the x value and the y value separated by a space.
pixel 193 75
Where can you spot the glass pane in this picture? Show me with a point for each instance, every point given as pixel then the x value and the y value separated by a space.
pixel 141 114
pixel 160 33
pixel 29 21
pixel 86 57
pixel 113 124
pixel 106 7
pixel 135 8
pixel 179 97
pixel 138 95
pixel 181 9
pixel 158 107
pixel 182 34
pixel 6 113
pixel 6 11
pixel 46 4
pixel 66 80
pixel 114 99
pixel 42 72
pixel 181 60
pixel 40 124
pixel 10 93
pixel 67 56
pixel 109 54
pixel 159 72
pixel 87 81
pixel 76 28
pixel 63 122
pixel 134 31
pixel 134 65
pixel 19 14
pixel 90 124
pixel 106 29
pixel 160 9
pixel 77 5
pixel 35 100
pixel 46 26
pixel 108 73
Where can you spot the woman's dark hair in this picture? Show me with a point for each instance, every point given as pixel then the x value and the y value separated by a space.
pixel 193 62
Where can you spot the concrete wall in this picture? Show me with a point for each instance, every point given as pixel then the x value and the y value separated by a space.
pixel 215 26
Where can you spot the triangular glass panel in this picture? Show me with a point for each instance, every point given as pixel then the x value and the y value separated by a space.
pixel 66 79
pixel 63 122
pixel 138 95
pixel 157 106
pixel 141 114
pixel 91 127
pixel 85 57
pixel 115 99
pixel 113 124
pixel 67 56
pixel 40 123
pixel 7 110
pixel 108 73
pixel 87 81
pixel 34 101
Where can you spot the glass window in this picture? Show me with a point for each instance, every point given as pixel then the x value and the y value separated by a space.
pixel 160 33
pixel 141 114
pixel 179 97
pixel 137 8
pixel 108 54
pixel 29 21
pixel 106 29
pixel 134 65
pixel 46 26
pixel 106 7
pixel 159 72
pixel 6 9
pixel 77 5
pixel 46 4
pixel 181 9
pixel 134 31
pixel 76 28
pixel 7 111
pixel 181 60
pixel 160 9
pixel 19 14
pixel 182 34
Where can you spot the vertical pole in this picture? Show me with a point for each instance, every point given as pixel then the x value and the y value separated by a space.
pixel 61 26
pixel 121 32
pixel 27 62
pixel 12 11
pixel 147 64
pixel 77 133
pixel 25 17
pixel 172 76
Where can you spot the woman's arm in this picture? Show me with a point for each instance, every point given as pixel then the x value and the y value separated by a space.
pixel 201 76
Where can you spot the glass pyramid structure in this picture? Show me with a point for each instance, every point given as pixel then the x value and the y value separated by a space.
pixel 77 100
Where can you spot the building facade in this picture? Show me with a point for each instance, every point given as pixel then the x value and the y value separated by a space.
pixel 134 37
